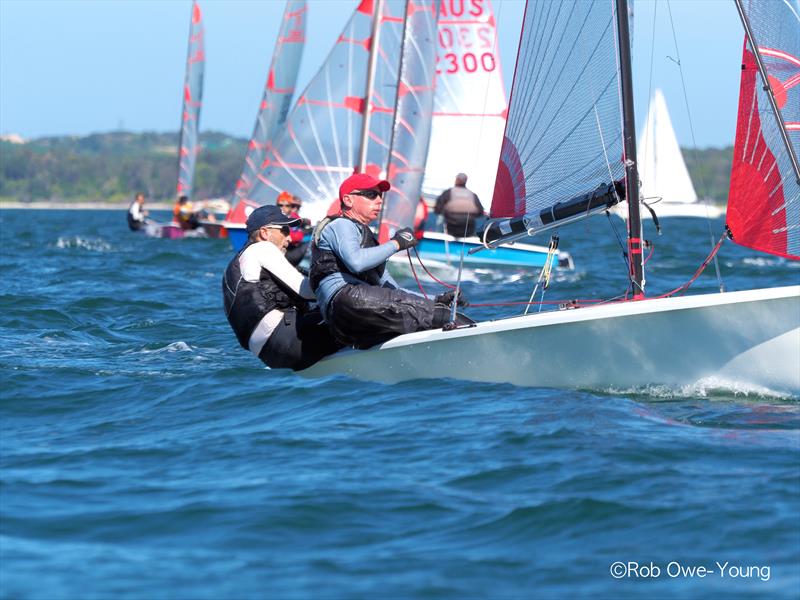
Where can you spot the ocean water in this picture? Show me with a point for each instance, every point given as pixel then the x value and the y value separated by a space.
pixel 143 454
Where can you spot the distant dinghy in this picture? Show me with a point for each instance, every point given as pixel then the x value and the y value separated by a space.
pixel 666 184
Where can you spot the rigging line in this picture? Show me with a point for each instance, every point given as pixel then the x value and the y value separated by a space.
pixel 694 148
pixel 619 241
pixel 424 268
pixel 712 256
pixel 458 279
pixel 414 273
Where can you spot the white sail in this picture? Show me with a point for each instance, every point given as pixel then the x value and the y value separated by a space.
pixel 661 168
pixel 666 184
pixel 469 114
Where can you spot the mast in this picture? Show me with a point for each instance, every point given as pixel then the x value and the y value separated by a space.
pixel 635 258
pixel 748 31
pixel 373 60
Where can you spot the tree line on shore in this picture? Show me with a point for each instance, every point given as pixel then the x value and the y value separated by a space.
pixel 111 167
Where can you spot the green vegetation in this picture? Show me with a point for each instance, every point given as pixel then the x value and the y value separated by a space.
pixel 111 167
pixel 710 170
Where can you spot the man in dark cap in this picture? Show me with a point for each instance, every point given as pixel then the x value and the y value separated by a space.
pixel 360 301
pixel 267 299
pixel 460 207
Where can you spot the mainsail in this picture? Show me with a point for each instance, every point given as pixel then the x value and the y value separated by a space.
pixel 192 101
pixel 469 112
pixel 764 201
pixel 278 92
pixel 412 120
pixel 661 166
pixel 319 146
pixel 563 139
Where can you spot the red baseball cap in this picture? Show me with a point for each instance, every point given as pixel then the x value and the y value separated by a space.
pixel 362 181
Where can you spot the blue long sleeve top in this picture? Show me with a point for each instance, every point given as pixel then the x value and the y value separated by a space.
pixel 343 237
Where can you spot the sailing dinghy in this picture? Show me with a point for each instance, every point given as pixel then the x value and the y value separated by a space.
pixel 188 146
pixel 272 112
pixel 666 185
pixel 574 59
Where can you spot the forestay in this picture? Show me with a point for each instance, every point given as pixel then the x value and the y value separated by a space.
pixel 319 146
pixel 564 132
pixel 764 201
pixel 192 101
pixel 278 92
pixel 469 112
pixel 412 121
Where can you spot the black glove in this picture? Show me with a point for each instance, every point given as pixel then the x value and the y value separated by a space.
pixel 447 299
pixel 405 238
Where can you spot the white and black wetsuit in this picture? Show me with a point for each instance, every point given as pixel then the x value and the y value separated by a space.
pixel 361 302
pixel 461 208
pixel 135 216
pixel 266 302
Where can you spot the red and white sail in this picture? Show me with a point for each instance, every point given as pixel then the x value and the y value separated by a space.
pixel 764 201
pixel 278 92
pixel 412 121
pixel 192 101
pixel 319 145
pixel 469 113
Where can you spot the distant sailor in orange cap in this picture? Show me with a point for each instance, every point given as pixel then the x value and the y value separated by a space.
pixel 289 206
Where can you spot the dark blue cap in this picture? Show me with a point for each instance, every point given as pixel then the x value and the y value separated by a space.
pixel 269 215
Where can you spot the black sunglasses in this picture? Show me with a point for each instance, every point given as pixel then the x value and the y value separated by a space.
pixel 369 194
pixel 284 229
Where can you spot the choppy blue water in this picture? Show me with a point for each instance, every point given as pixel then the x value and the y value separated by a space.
pixel 144 454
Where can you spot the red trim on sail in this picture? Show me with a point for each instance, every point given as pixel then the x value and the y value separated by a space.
pixel 196 15
pixel 365 7
pixel 756 212
pixel 508 199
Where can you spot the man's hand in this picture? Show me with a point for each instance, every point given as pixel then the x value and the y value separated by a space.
pixel 447 299
pixel 404 238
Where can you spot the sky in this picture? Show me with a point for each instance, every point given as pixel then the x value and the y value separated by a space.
pixel 75 67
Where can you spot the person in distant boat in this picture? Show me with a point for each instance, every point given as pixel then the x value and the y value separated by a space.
pixel 290 205
pixel 460 207
pixel 360 301
pixel 137 215
pixel 267 300
pixel 183 214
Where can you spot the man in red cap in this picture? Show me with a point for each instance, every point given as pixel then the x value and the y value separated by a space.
pixel 360 301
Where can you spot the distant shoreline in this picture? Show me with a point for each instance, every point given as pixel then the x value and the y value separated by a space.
pixel 44 205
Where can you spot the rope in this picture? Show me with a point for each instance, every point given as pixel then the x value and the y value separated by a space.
pixel 428 273
pixel 414 273
pixel 712 256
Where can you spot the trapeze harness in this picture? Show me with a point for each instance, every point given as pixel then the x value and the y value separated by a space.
pixel 325 262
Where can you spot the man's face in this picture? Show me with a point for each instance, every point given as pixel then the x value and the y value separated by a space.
pixel 277 234
pixel 364 205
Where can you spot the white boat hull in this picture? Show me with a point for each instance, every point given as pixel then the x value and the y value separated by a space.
pixel 748 338
pixel 669 210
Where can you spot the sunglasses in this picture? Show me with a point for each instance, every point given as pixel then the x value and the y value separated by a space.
pixel 284 229
pixel 284 205
pixel 369 194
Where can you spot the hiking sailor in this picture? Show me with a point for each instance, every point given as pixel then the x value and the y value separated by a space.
pixel 136 213
pixel 267 299
pixel 360 301
pixel 460 207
